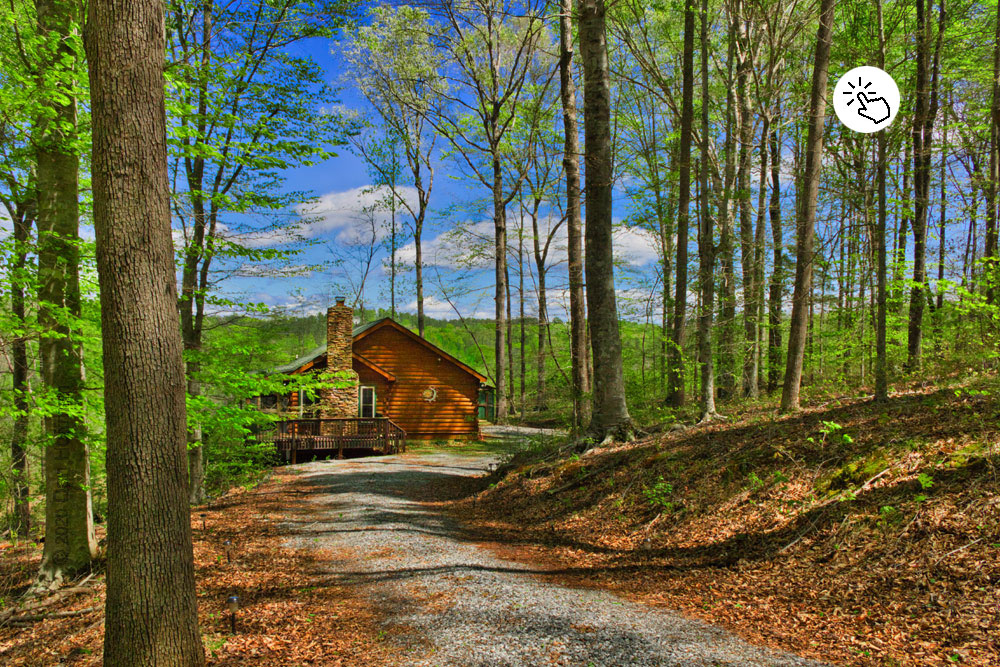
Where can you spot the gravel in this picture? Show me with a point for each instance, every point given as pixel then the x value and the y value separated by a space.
pixel 447 601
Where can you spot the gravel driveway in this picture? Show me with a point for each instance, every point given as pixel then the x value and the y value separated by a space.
pixel 447 601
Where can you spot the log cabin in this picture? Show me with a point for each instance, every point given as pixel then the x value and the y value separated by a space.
pixel 391 385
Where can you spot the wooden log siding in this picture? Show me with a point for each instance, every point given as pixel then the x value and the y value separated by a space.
pixel 454 411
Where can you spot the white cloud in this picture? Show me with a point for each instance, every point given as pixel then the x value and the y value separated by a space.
pixel 467 248
pixel 340 212
pixel 441 310
pixel 635 246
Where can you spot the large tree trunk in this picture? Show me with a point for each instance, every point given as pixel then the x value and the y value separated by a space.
pixel 799 324
pixel 990 250
pixel 706 245
pixel 881 363
pixel 500 298
pixel 923 130
pixel 151 608
pixel 727 289
pixel 747 264
pixel 774 289
pixel 21 216
pixel 665 218
pixel 574 226
pixel 759 251
pixel 676 384
pixel 610 418
pixel 70 544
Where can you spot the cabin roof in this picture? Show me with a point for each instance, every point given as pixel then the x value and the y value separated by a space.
pixel 301 361
pixel 363 330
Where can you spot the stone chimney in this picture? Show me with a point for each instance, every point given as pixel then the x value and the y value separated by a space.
pixel 339 338
pixel 340 400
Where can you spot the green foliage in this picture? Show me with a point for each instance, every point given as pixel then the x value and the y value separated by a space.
pixel 659 494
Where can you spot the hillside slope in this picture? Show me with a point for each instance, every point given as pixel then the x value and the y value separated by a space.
pixel 855 533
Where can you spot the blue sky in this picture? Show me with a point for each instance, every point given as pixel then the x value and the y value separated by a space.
pixel 339 183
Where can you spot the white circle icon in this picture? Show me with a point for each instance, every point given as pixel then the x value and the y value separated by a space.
pixel 866 99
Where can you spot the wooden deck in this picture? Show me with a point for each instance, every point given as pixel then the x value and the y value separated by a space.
pixel 379 434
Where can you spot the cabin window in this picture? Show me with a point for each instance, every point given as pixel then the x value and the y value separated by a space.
pixel 307 402
pixel 366 402
pixel 269 401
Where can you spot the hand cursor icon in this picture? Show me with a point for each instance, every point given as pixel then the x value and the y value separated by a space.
pixel 874 113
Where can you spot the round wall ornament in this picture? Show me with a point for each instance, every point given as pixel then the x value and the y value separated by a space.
pixel 430 394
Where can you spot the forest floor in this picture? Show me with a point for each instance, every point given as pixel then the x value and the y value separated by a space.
pixel 850 533
pixel 854 533
pixel 291 614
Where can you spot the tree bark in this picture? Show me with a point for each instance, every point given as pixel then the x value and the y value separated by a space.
pixel 923 130
pixel 610 418
pixel 500 298
pixel 799 324
pixel 676 383
pixel 881 363
pixel 21 216
pixel 151 608
pixel 777 275
pixel 904 227
pixel 574 225
pixel 70 544
pixel 543 313
pixel 706 244
pixel 727 290
pixel 990 249
pixel 747 263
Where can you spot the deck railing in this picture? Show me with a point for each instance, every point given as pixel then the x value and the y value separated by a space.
pixel 340 433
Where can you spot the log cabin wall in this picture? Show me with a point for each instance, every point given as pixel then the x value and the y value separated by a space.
pixel 432 397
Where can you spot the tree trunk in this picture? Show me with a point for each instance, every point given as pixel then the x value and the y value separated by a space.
pixel 611 418
pixel 904 227
pixel 520 305
pixel 923 130
pixel 21 217
pixel 543 314
pixel 70 544
pixel 881 363
pixel 706 244
pixel 747 264
pixel 727 290
pixel 574 226
pixel 676 384
pixel 942 238
pixel 799 324
pixel 759 251
pixel 666 223
pixel 418 262
pixel 990 249
pixel 500 299
pixel 774 289
pixel 151 609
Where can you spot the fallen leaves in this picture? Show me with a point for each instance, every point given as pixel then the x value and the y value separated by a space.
pixel 898 565
pixel 289 614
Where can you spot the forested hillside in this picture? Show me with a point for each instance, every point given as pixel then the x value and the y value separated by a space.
pixel 683 236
